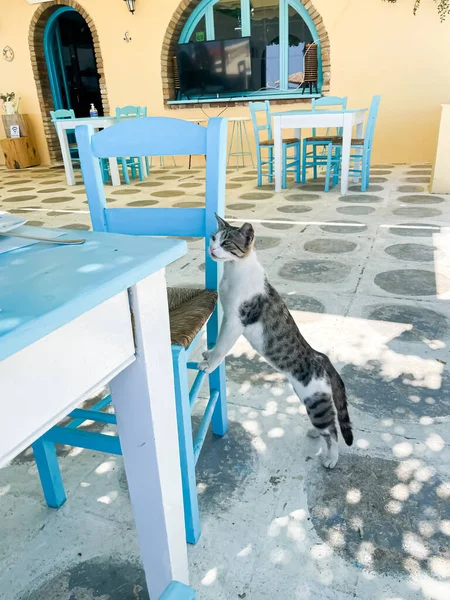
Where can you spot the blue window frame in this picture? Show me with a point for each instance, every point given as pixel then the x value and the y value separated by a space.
pixel 279 31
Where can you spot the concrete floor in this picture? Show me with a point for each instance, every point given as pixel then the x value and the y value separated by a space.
pixel 367 277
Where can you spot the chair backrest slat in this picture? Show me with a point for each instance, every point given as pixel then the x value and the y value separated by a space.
pixel 62 113
pixel 150 136
pixel 130 112
pixel 189 222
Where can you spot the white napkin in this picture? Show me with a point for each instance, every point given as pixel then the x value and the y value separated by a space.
pixel 7 244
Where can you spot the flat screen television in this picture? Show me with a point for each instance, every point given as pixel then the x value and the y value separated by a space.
pixel 215 68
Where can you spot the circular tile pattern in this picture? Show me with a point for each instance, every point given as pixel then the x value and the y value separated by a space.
pixel 55 213
pixel 310 187
pixel 420 172
pixel 382 171
pixel 274 225
pixel 168 193
pixel 294 209
pixel 145 184
pixel 127 192
pixel 78 226
pixel 344 226
pixel 19 181
pixel 303 197
pixel 377 531
pixel 423 324
pixel 265 242
pixel 411 252
pixel 169 177
pixel 241 206
pixel 256 196
pixel 315 271
pixel 24 189
pixel 57 199
pixel 189 204
pixel 233 186
pixel 403 396
pixel 409 282
pixel 190 184
pixel 418 179
pixel 35 223
pixel 361 198
pixel 371 188
pixel 23 198
pixel 378 179
pixel 143 203
pixel 355 210
pixel 414 229
pixel 54 182
pixel 420 199
pixel 243 179
pixel 55 190
pixel 417 212
pixel 329 246
pixel 382 166
pixel 410 189
pixel 303 303
pixel 78 192
pixel 424 166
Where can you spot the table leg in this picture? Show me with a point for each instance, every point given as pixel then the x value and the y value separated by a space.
pixel 65 151
pixel 346 147
pixel 278 151
pixel 114 170
pixel 143 396
pixel 143 166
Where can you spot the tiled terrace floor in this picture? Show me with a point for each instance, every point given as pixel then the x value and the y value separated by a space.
pixel 367 277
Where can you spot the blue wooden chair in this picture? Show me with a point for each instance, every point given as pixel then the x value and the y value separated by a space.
pixel 62 113
pixel 190 309
pixel 290 163
pixel 360 153
pixel 311 145
pixel 132 164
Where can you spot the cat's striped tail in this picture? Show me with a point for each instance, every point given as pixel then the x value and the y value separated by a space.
pixel 340 402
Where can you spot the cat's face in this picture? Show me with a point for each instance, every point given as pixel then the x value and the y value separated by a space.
pixel 231 243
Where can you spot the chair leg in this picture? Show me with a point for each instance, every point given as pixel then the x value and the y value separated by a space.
pixel 270 165
pixel 147 165
pixel 328 170
pixel 304 162
pixel 297 163
pixel 259 165
pixel 217 381
pixel 49 472
pixel 315 161
pixel 186 445
pixel 285 150
pixel 123 163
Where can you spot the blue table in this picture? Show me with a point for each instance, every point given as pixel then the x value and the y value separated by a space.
pixel 74 318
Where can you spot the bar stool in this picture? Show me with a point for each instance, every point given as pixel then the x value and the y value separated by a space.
pixel 238 135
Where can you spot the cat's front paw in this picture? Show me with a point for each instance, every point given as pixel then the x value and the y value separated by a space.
pixel 206 354
pixel 205 366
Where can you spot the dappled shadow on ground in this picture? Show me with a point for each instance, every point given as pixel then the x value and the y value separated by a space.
pixel 384 515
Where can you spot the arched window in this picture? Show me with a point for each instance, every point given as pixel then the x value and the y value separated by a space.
pixel 284 42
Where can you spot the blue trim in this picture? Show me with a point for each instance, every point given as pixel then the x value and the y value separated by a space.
pixel 49 32
pixel 205 9
pixel 250 96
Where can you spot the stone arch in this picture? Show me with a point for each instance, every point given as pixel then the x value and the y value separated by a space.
pixel 39 66
pixel 178 21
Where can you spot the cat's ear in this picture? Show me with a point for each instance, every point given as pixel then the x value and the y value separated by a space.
pixel 248 232
pixel 221 222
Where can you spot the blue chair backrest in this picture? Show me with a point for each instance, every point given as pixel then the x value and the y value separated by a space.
pixel 158 136
pixel 62 113
pixel 256 107
pixel 329 102
pixel 130 112
pixel 371 122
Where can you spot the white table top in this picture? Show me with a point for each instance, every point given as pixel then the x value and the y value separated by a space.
pixel 45 286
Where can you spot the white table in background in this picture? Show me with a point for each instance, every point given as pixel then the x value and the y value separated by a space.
pixel 75 318
pixel 308 119
pixel 62 125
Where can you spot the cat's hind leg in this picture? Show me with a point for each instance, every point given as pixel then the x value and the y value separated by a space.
pixel 318 402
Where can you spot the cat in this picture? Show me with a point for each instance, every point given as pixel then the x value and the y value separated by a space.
pixel 253 308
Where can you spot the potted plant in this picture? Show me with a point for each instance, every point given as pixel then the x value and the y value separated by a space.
pixel 10 104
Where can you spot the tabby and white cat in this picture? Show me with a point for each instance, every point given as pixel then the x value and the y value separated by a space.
pixel 253 308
